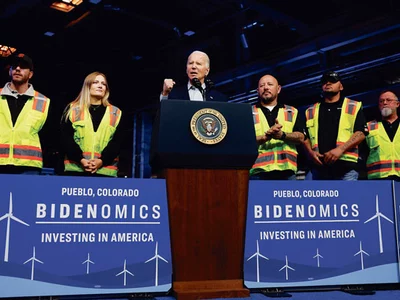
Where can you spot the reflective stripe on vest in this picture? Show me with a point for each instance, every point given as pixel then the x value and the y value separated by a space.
pixel 88 155
pixel 383 166
pixel 77 114
pixel 115 114
pixel 27 152
pixel 256 117
pixel 4 150
pixel 351 107
pixel 283 156
pixel 289 112
pixel 39 102
pixel 310 114
pixel 373 125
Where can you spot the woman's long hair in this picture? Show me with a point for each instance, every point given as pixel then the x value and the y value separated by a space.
pixel 83 99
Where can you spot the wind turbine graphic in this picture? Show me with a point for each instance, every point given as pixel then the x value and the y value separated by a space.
pixel 378 215
pixel 9 216
pixel 317 256
pixel 124 271
pixel 33 259
pixel 258 255
pixel 156 257
pixel 361 252
pixel 87 262
pixel 286 266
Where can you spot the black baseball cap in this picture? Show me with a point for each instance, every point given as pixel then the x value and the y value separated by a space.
pixel 22 60
pixel 330 76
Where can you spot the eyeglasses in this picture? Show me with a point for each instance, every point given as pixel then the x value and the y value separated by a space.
pixel 381 101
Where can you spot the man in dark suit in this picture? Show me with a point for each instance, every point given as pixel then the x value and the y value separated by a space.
pixel 198 87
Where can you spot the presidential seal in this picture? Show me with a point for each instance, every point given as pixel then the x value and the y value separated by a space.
pixel 208 126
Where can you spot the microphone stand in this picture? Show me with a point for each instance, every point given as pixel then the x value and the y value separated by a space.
pixel 209 86
pixel 197 84
pixel 203 93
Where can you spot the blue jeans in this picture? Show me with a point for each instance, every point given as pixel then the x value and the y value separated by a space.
pixel 30 172
pixel 274 175
pixel 351 175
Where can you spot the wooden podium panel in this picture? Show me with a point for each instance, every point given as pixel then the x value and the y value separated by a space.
pixel 207 216
pixel 207 189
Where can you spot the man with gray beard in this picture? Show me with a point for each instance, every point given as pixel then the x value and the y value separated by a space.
pixel 383 141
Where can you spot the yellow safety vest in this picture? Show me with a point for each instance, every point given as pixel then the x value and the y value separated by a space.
pixel 275 155
pixel 384 155
pixel 348 116
pixel 20 143
pixel 93 143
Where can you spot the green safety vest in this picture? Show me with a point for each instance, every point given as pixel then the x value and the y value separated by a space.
pixel 93 143
pixel 384 155
pixel 275 155
pixel 348 116
pixel 20 143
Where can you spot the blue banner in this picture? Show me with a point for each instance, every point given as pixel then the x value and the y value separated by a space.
pixel 80 236
pixel 320 233
pixel 396 192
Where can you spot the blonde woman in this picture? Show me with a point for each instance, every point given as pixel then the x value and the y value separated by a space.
pixel 89 130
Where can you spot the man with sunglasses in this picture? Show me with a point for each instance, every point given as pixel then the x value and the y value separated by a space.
pixel 336 126
pixel 23 112
pixel 383 141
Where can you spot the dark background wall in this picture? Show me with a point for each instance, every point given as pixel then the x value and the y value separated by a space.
pixel 139 43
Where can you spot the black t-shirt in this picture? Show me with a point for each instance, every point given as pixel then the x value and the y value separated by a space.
pixel 16 105
pixel 328 124
pixel 391 128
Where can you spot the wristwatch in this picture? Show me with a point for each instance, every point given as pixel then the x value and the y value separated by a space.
pixel 283 136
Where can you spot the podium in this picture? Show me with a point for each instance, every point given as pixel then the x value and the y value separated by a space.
pixel 207 179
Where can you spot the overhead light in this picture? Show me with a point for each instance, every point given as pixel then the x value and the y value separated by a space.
pixel 189 33
pixel 6 50
pixel 250 25
pixel 136 57
pixel 243 40
pixel 49 33
pixel 66 5
pixel 76 21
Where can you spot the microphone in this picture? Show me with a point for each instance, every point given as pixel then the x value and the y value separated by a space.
pixel 196 82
